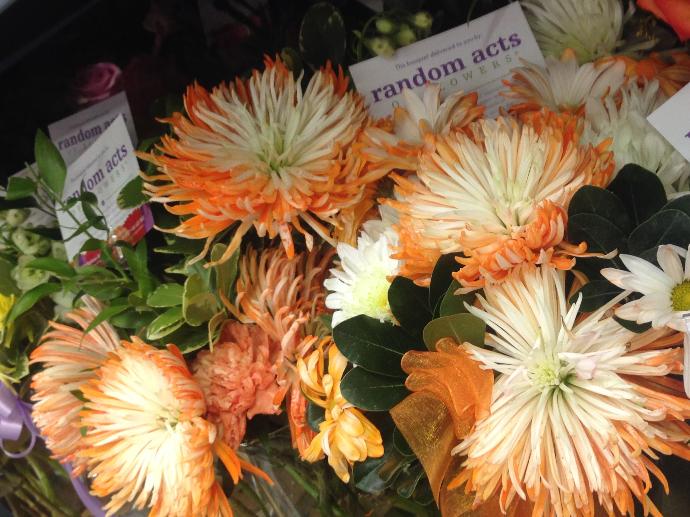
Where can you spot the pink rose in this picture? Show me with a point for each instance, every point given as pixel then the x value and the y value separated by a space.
pixel 238 379
pixel 97 82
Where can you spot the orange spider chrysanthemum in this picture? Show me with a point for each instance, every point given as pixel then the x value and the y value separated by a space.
pixel 395 143
pixel 670 69
pixel 283 296
pixel 264 153
pixel 70 359
pixel 497 192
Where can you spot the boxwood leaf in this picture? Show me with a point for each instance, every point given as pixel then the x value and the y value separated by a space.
pixel 595 294
pixel 461 327
pixel 409 304
pixel 602 202
pixel 371 391
pixel 640 190
pixel 165 324
pixel 665 227
pixel 166 295
pixel 375 346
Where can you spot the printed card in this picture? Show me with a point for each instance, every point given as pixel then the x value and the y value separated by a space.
pixel 104 168
pixel 474 56
pixel 73 135
pixel 672 120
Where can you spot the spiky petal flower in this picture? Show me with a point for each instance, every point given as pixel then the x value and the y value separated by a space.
pixel 346 435
pixel 579 404
pixel 263 153
pixel 633 139
pixel 395 144
pixel 70 358
pixel 591 28
pixel 563 85
pixel 238 378
pixel 499 195
pixel 670 68
pixel 359 285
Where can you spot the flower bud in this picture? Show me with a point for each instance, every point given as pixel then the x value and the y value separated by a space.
pixel 30 243
pixel 422 20
pixel 381 46
pixel 58 251
pixel 26 277
pixel 405 36
pixel 385 25
pixel 16 216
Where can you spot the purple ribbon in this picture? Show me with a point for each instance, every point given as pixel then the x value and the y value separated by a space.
pixel 15 414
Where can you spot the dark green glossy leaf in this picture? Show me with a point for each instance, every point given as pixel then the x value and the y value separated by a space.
pixel 600 235
pixel 602 202
pixel 461 327
pixel 441 278
pixel 454 303
pixel 641 192
pixel 315 415
pixel 49 233
pixel 51 166
pixel 371 391
pixel 632 326
pixel 681 203
pixel 189 339
pixel 375 346
pixel 105 315
pixel 129 319
pixel 27 202
pixel 665 227
pixel 57 266
pixel 409 304
pixel 401 444
pixel 166 295
pixel 19 188
pixel 165 324
pixel 198 304
pixel 27 300
pixel 226 273
pixel 595 294
pixel 132 194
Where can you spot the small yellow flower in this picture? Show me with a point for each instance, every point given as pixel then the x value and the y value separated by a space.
pixel 346 435
pixel 6 303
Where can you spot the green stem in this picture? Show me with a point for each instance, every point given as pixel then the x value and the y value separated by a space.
pixel 306 485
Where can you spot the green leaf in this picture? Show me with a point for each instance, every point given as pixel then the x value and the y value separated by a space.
pixel 165 324
pixel 441 278
pixel 375 346
pixel 226 273
pixel 371 391
pixel 461 327
pixel 452 303
pixel 633 326
pixel 132 194
pixel 19 188
pixel 401 444
pixel 641 192
pixel 601 202
pixel 105 315
pixel 315 415
pixel 322 36
pixel 189 339
pixel 215 326
pixel 49 233
pixel 27 202
pixel 137 260
pixel 129 319
pixel 104 290
pixel 166 295
pixel 57 266
pixel 27 300
pixel 198 304
pixel 409 304
pixel 665 227
pixel 681 203
pixel 7 285
pixel 595 294
pixel 51 166
pixel 601 235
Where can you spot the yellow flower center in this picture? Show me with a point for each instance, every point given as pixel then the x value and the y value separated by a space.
pixel 680 296
pixel 370 294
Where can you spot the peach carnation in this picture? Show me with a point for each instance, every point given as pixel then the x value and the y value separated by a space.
pixel 238 378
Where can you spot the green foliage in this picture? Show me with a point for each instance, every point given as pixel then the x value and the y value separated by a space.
pixel 166 295
pixel 595 294
pixel 409 304
pixel 165 324
pixel 441 278
pixel 461 327
pixel 371 391
pixel 452 303
pixel 640 191
pixel 27 300
pixel 51 166
pixel 20 188
pixel 132 194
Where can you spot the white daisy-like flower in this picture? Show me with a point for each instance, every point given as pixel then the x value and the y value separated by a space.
pixel 360 284
pixel 634 139
pixel 563 85
pixel 575 408
pixel 592 28
pixel 665 290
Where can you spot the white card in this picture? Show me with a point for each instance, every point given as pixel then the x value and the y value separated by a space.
pixel 104 168
pixel 473 56
pixel 672 120
pixel 74 134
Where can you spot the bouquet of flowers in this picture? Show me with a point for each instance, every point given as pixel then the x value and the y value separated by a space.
pixel 434 312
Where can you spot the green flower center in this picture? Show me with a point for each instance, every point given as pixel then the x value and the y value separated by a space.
pixel 680 296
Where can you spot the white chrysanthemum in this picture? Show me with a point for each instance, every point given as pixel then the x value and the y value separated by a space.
pixel 563 85
pixel 574 406
pixel 360 284
pixel 592 28
pixel 665 290
pixel 634 139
